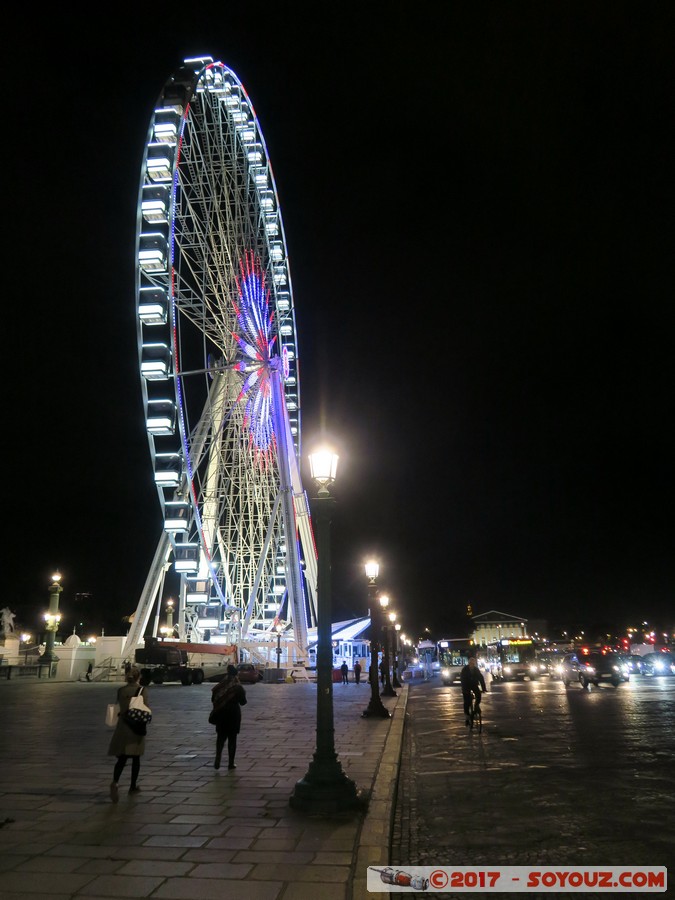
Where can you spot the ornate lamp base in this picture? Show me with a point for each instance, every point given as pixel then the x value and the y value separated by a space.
pixel 325 789
pixel 376 710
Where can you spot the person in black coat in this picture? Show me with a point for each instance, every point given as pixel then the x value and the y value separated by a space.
pixel 471 679
pixel 344 668
pixel 227 697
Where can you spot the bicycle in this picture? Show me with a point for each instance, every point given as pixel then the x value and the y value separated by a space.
pixel 475 715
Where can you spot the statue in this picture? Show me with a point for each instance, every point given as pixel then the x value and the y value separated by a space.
pixel 7 620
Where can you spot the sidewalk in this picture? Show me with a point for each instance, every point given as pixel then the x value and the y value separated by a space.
pixel 193 833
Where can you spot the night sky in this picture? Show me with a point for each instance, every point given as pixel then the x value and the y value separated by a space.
pixel 478 212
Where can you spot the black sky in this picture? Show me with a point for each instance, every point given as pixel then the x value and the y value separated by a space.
pixel 478 211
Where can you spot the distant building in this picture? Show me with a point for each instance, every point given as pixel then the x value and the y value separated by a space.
pixel 494 625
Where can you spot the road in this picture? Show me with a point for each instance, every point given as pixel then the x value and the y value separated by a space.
pixel 559 776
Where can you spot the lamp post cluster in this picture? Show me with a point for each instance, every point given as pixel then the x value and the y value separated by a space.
pixel 375 708
pixel 387 689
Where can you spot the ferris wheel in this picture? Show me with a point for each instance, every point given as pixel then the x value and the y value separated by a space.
pixel 218 360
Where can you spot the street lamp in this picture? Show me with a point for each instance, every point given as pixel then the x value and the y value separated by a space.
pixel 278 628
pixel 394 651
pixel 25 640
pixel 52 619
pixel 387 690
pixel 325 788
pixel 376 707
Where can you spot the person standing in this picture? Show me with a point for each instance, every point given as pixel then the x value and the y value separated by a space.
pixel 344 668
pixel 227 697
pixel 471 679
pixel 125 744
pixel 357 672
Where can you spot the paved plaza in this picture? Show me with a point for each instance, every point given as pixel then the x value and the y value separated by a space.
pixel 192 832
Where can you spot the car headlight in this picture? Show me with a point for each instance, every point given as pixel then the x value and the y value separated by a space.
pixel 559 670
pixel 589 669
pixel 659 666
pixel 507 669
pixel 445 672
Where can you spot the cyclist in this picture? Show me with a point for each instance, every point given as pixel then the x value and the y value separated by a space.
pixel 471 679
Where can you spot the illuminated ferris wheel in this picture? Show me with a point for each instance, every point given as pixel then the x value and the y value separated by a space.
pixel 219 369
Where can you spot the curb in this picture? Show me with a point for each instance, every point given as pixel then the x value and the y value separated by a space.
pixel 373 844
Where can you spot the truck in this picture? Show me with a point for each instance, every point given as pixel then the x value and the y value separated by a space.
pixel 160 662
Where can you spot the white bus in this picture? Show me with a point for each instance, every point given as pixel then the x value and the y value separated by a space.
pixel 514 658
pixel 453 655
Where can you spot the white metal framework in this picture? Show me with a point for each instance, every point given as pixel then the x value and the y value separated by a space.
pixel 219 369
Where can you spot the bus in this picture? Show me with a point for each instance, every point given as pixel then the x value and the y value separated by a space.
pixel 453 655
pixel 513 658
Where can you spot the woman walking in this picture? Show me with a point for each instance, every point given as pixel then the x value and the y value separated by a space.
pixel 227 697
pixel 126 744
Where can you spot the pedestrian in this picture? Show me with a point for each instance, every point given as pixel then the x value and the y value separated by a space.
pixel 227 697
pixel 90 669
pixel 357 672
pixel 383 672
pixel 125 744
pixel 344 668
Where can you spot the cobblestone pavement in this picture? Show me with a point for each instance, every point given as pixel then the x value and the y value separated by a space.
pixel 192 833
pixel 558 777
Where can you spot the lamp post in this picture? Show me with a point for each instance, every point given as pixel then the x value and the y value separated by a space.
pixel 52 619
pixel 169 615
pixel 25 640
pixel 325 788
pixel 394 651
pixel 376 707
pixel 387 689
pixel 278 628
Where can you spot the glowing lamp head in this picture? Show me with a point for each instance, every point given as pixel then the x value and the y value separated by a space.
pixel 384 602
pixel 372 569
pixel 323 468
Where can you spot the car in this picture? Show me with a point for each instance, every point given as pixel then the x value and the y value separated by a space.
pixel 568 669
pixel 596 666
pixel 593 667
pixel 659 663
pixel 248 673
pixel 636 664
pixel 549 663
